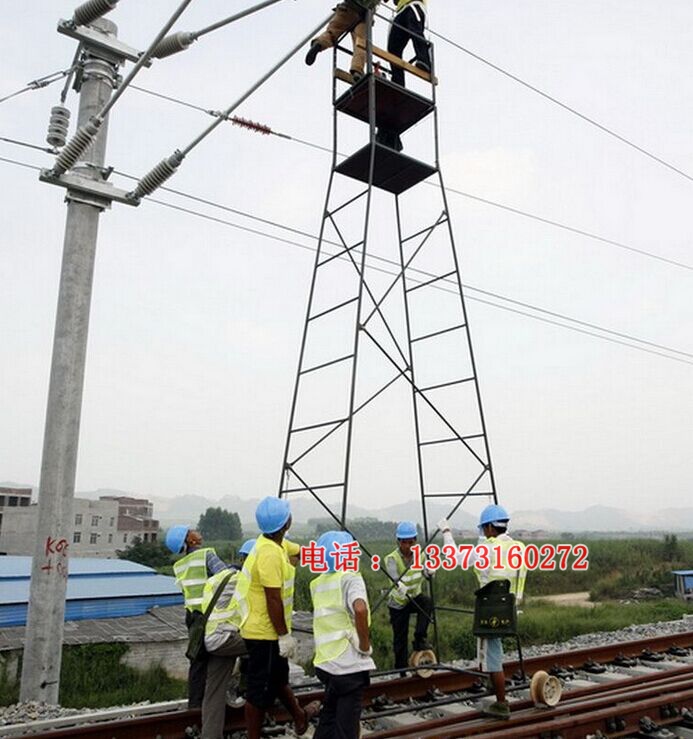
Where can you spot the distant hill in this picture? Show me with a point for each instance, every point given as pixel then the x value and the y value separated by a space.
pixel 597 518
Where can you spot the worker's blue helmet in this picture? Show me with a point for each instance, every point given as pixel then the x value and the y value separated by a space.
pixel 271 514
pixel 495 515
pixel 406 530
pixel 247 547
pixel 175 538
pixel 328 541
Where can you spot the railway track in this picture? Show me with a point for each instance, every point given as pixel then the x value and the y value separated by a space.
pixel 638 688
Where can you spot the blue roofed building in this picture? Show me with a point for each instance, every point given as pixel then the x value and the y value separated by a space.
pixel 96 589
pixel 683 584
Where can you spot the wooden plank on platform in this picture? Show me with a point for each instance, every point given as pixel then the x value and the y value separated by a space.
pixel 392 59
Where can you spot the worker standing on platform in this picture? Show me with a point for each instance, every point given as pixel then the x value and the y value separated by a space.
pixel 406 597
pixel 493 530
pixel 264 598
pixel 223 643
pixel 341 621
pixel 408 25
pixel 191 573
pixel 349 15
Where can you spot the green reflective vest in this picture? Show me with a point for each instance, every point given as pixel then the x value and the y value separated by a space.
pixel 191 576
pixel 333 626
pixel 225 611
pixel 413 579
pixel 240 597
pixel 517 577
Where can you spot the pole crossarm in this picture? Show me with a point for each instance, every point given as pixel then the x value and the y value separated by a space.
pixel 87 132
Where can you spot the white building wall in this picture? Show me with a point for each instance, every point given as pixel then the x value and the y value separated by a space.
pixel 95 529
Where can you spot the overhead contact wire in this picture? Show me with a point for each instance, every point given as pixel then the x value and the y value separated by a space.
pixel 470 196
pixel 565 106
pixel 221 221
pixel 379 258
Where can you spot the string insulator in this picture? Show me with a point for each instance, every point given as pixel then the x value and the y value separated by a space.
pixel 79 143
pixel 156 178
pixel 91 10
pixel 173 44
pixel 252 125
pixel 58 126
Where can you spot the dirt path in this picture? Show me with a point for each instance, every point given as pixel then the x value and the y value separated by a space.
pixel 568 599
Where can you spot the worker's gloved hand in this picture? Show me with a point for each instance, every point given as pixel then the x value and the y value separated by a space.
pixel 443 525
pixel 401 589
pixel 287 646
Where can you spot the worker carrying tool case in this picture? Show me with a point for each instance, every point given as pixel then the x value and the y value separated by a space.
pixel 495 614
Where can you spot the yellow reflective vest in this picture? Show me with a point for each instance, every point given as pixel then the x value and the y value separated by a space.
pixel 402 4
pixel 191 576
pixel 517 577
pixel 225 612
pixel 333 626
pixel 240 597
pixel 412 579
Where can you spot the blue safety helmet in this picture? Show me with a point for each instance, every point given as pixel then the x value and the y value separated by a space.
pixel 271 514
pixel 328 541
pixel 247 547
pixel 175 538
pixel 406 530
pixel 494 514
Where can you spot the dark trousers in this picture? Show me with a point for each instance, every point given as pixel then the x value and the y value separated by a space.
pixel 341 708
pixel 399 618
pixel 408 26
pixel 197 672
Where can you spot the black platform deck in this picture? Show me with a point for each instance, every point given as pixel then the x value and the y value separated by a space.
pixel 396 108
pixel 393 171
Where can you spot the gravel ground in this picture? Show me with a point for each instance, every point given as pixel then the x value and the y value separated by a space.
pixel 21 713
pixel 25 712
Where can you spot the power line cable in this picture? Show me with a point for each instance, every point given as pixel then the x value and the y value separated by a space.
pixel 565 227
pixel 168 167
pixel 470 196
pixel 565 106
pixel 392 262
pixel 39 83
pixel 289 242
pixel 306 247
pixel 20 164
pixel 27 145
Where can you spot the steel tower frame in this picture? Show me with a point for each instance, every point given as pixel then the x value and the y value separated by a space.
pixel 380 103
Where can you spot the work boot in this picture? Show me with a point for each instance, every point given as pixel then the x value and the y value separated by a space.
pixel 423 66
pixel 356 76
pixel 498 710
pixel 313 52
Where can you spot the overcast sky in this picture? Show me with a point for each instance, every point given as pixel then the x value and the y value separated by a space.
pixel 195 325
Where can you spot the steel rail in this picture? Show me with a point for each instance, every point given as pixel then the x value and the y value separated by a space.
pixel 524 713
pixel 172 725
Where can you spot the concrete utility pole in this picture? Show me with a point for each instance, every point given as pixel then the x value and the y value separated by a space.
pixel 44 633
